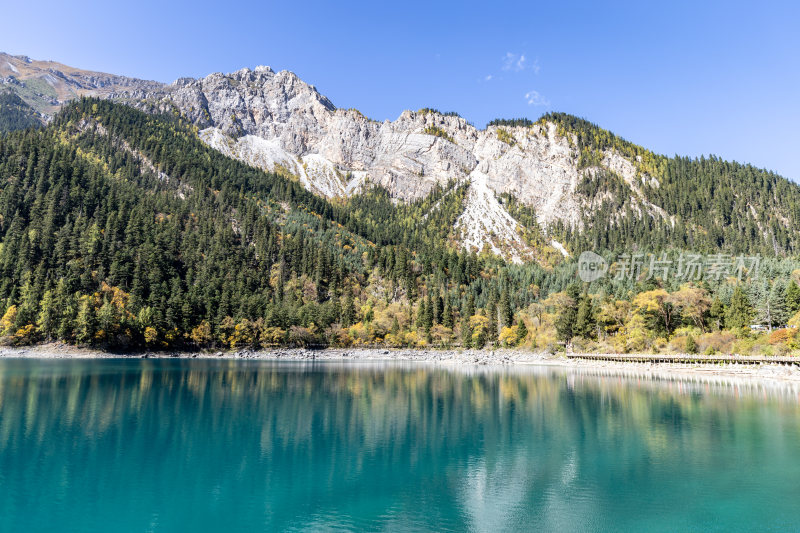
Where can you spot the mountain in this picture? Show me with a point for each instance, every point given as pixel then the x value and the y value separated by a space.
pixel 583 186
pixel 525 190
pixel 275 121
pixel 46 85
pixel 205 214
pixel 121 228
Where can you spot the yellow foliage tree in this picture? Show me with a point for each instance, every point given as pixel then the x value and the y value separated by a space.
pixel 201 334
pixel 656 302
pixel 8 320
pixel 150 335
pixel 508 336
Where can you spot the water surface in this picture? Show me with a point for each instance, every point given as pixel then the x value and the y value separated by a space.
pixel 206 445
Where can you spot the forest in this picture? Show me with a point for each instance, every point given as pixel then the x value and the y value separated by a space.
pixel 121 230
pixel 15 114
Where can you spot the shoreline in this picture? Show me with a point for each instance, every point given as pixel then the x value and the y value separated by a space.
pixel 452 358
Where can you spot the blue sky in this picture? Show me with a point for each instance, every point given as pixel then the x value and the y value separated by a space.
pixel 689 78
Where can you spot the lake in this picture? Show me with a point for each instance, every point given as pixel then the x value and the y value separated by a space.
pixel 207 445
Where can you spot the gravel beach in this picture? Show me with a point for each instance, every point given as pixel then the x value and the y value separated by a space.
pixel 448 358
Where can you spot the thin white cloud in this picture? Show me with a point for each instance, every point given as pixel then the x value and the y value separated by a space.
pixel 518 62
pixel 488 77
pixel 536 99
pixel 510 61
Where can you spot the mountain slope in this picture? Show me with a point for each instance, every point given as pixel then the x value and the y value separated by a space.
pixel 586 187
pixel 574 185
pixel 120 228
pixel 653 202
pixel 15 114
pixel 47 85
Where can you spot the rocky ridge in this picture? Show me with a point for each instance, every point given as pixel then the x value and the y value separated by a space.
pixel 275 121
pixel 47 85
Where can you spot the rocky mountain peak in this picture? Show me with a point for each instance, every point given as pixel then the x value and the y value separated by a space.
pixel 276 121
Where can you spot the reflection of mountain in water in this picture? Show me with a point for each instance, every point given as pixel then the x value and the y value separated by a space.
pixel 202 444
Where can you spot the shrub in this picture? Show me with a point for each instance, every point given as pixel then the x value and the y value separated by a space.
pixel 439 132
pixel 781 336
pixel 718 341
pixel 506 137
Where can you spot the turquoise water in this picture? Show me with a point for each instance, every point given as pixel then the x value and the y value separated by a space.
pixel 198 445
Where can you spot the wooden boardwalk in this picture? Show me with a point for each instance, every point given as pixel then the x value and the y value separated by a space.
pixel 689 359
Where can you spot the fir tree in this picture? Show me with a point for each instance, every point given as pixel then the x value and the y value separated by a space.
pixel 568 314
pixel 691 345
pixel 522 331
pixel 793 297
pixel 738 313
pixel 466 333
pixel 584 318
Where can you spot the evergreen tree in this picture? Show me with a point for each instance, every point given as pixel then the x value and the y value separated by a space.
pixel 717 314
pixel 348 311
pixel 506 312
pixel 522 331
pixel 568 314
pixel 491 328
pixel 585 321
pixel 85 324
pixel 47 321
pixel 739 312
pixel 429 312
pixel 691 344
pixel 447 313
pixel 466 333
pixel 793 297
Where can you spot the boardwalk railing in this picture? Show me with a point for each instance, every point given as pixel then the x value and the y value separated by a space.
pixel 689 358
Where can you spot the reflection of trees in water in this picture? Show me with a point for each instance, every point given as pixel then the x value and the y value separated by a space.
pixel 494 441
pixel 364 404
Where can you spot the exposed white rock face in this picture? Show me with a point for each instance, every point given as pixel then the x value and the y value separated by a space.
pixel 485 223
pixel 560 247
pixel 275 121
pixel 536 166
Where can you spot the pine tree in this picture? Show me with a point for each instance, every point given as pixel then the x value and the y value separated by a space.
pixel 348 311
pixel 86 321
pixel 447 314
pixel 778 311
pixel 691 345
pixel 506 312
pixel 522 331
pixel 568 314
pixel 438 307
pixel 47 321
pixel 717 314
pixel 428 317
pixel 491 328
pixel 466 333
pixel 585 319
pixel 469 308
pixel 793 297
pixel 739 313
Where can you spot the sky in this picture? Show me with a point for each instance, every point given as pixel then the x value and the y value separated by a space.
pixel 686 78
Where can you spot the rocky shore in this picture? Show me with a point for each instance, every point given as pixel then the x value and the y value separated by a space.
pixel 452 358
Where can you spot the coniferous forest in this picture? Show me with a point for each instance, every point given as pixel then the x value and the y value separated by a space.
pixel 122 230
